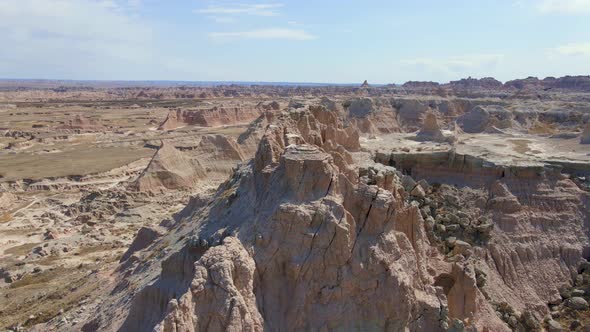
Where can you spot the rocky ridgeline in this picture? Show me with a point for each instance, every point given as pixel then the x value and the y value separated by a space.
pixel 26 91
pixel 572 83
pixel 301 237
pixel 294 240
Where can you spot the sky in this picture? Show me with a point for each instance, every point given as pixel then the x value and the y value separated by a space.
pixel 322 41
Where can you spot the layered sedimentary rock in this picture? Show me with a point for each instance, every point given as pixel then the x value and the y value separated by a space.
pixel 573 83
pixel 536 217
pixel 169 169
pixel 173 120
pixel 301 239
pixel 219 153
pixel 249 139
pixel 390 231
pixel 488 119
pixel 410 112
pixel 371 116
pixel 216 116
pixel 220 147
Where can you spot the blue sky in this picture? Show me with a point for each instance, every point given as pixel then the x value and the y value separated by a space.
pixel 334 41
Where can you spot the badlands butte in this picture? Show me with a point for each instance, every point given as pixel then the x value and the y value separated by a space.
pixel 418 207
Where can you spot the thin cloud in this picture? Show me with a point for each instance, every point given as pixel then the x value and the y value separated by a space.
pixel 465 61
pixel 573 49
pixel 456 65
pixel 295 24
pixel 564 7
pixel 222 19
pixel 272 33
pixel 243 9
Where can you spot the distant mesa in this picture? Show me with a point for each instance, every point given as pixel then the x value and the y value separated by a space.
pixel 576 83
pixel 488 83
pixel 571 83
pixel 417 85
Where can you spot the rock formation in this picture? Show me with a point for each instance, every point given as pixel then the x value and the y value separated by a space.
pixel 410 112
pixel 172 121
pixel 169 169
pixel 572 83
pixel 337 208
pixel 371 116
pixel 81 123
pixel 249 139
pixel 475 121
pixel 211 117
pixel 297 240
pixel 319 257
pixel 430 130
pixel 220 153
pixel 220 147
pixel 486 83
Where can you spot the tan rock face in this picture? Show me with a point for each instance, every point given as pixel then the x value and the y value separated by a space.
pixel 172 121
pixel 371 116
pixel 216 116
pixel 168 169
pixel 431 131
pixel 250 138
pixel 223 282
pixel 220 147
pixel 316 233
pixel 296 242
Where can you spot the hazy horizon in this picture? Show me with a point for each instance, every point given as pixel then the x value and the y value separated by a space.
pixel 331 42
pixel 209 83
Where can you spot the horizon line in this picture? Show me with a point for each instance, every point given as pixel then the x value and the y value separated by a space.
pixel 263 82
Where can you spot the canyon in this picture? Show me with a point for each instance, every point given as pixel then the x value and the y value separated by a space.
pixel 417 207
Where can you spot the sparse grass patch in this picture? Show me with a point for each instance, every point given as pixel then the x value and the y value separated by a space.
pixel 21 250
pixel 88 250
pixel 42 295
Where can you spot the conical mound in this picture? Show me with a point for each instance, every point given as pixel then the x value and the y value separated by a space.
pixel 169 169
pixel 430 130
